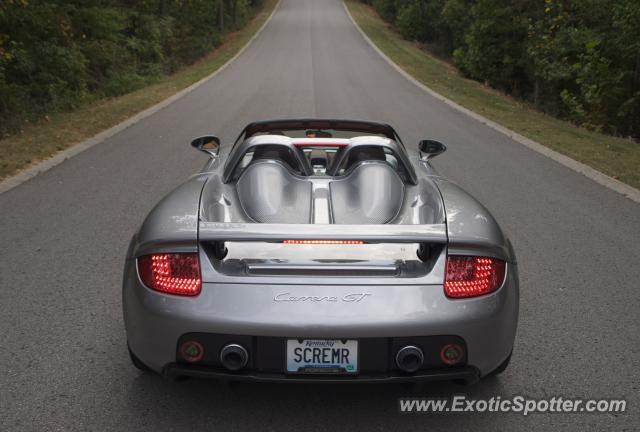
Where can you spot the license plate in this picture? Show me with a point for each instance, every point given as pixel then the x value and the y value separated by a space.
pixel 322 356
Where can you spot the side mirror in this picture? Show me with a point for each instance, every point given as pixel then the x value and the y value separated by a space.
pixel 210 144
pixel 430 149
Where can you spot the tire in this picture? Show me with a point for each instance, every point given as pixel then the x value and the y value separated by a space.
pixel 503 366
pixel 137 362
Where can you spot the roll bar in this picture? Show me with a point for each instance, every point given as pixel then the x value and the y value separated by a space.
pixel 359 126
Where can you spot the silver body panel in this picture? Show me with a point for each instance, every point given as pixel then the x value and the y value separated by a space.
pixel 326 291
pixel 156 321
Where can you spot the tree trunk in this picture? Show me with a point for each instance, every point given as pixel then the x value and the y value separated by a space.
pixel 234 9
pixel 221 16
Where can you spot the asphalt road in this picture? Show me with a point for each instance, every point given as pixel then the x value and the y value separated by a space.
pixel 63 235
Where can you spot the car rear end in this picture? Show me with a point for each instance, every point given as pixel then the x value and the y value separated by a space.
pixel 316 302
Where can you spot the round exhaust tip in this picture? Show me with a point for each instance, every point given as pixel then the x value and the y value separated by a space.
pixel 192 351
pixel 234 357
pixel 409 359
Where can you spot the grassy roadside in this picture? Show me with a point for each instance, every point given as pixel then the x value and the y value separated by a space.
pixel 61 130
pixel 616 157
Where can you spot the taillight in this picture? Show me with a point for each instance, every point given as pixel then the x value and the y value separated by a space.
pixel 171 273
pixel 469 276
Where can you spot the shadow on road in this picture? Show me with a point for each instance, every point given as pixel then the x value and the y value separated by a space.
pixel 197 403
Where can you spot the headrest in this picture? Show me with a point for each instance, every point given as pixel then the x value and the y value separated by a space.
pixel 278 153
pixel 360 154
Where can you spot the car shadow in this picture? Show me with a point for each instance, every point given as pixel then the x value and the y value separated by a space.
pixel 195 403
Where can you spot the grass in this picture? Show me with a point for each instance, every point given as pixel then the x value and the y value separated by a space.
pixel 59 131
pixel 616 157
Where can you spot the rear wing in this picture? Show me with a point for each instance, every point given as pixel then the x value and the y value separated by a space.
pixel 276 233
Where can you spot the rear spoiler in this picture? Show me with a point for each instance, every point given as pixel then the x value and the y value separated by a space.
pixel 275 233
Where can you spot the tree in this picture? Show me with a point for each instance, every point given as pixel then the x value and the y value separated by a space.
pixel 58 54
pixel 494 49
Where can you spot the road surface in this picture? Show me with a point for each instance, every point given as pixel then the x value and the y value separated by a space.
pixel 63 362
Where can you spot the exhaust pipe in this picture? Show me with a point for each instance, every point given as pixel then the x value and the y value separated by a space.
pixel 234 357
pixel 409 359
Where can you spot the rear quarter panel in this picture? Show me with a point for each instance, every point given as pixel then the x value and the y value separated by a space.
pixel 471 228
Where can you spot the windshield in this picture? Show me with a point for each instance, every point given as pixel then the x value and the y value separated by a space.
pixel 316 133
pixel 319 128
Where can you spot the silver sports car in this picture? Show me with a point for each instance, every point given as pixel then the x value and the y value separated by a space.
pixel 320 250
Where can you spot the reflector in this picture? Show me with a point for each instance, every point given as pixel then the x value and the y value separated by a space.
pixel 451 354
pixel 192 351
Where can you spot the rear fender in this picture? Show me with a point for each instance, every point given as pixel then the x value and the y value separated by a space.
pixel 471 228
pixel 172 225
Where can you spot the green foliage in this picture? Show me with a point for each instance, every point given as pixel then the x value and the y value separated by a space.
pixel 579 60
pixel 493 45
pixel 58 54
pixel 386 8
pixel 457 19
pixel 606 94
pixel 424 22
pixel 411 21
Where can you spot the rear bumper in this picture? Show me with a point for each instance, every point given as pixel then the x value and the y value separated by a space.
pixel 155 322
pixel 468 374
